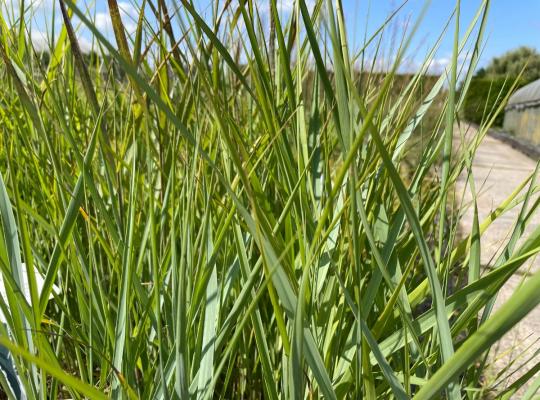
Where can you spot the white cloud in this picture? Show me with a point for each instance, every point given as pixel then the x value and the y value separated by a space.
pixel 32 5
pixel 45 5
pixel 283 6
pixel 438 65
pixel 13 7
pixel 39 40
pixel 84 44
pixel 103 21
pixel 128 13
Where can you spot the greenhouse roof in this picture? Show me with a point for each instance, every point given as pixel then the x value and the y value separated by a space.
pixel 527 96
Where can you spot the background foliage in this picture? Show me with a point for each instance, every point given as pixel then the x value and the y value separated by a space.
pixel 522 61
pixel 486 94
pixel 491 84
pixel 229 216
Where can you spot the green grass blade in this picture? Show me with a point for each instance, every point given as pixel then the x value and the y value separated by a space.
pixel 510 313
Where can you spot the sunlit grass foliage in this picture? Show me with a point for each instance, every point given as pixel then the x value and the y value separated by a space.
pixel 223 203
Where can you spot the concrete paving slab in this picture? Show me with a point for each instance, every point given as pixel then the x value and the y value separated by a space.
pixel 497 170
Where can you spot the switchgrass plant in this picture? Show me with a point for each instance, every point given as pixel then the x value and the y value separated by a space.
pixel 223 209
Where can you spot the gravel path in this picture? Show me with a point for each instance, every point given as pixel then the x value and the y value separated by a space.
pixel 498 169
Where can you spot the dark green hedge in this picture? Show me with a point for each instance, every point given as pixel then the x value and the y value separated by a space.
pixel 484 96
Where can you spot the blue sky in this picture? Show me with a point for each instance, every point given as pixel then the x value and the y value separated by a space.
pixel 511 23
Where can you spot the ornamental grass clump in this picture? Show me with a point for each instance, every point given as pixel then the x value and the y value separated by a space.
pixel 227 210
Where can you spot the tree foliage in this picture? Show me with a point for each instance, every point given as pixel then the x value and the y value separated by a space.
pixel 491 84
pixel 484 98
pixel 511 63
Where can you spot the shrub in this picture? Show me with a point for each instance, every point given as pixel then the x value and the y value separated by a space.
pixel 484 97
pixel 523 60
pixel 212 234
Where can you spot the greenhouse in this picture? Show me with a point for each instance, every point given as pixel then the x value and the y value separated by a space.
pixel 522 114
